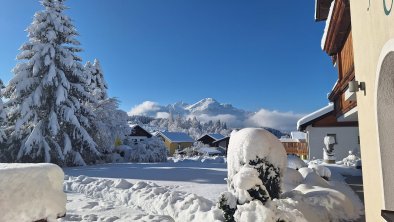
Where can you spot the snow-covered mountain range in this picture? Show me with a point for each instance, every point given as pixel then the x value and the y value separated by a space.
pixel 209 109
pixel 205 110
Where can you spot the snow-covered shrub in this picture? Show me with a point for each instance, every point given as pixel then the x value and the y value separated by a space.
pixel 291 179
pixel 294 162
pixel 305 171
pixel 150 150
pixel 322 171
pixel 352 160
pixel 256 164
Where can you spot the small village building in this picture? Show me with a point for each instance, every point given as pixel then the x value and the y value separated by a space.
pixel 223 143
pixel 137 133
pixel 209 139
pixel 176 141
pixel 324 122
pixel 369 26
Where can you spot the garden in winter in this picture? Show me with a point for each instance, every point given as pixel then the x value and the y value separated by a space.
pixel 69 152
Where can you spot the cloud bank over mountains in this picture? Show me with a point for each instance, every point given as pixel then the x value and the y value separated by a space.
pixel 210 109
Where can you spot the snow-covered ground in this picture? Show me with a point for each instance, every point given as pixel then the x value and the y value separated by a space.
pixel 184 190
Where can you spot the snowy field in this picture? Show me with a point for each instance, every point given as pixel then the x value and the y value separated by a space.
pixel 180 179
pixel 176 191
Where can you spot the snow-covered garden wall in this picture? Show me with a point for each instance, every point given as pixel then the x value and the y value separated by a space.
pixel 31 192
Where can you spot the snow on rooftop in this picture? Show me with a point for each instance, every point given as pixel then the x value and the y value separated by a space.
pixel 288 140
pixel 298 135
pixel 314 115
pixel 216 136
pixel 177 136
pixel 323 40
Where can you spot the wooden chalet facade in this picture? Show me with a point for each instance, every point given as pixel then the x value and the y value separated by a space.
pixel 137 133
pixel 210 139
pixel 338 44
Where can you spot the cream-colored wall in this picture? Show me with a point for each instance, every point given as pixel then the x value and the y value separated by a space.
pixel 371 29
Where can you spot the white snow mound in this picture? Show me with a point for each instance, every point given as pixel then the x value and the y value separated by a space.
pixel 31 192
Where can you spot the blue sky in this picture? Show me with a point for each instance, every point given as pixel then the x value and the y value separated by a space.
pixel 252 54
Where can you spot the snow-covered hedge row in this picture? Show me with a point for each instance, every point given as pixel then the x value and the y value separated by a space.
pixel 31 192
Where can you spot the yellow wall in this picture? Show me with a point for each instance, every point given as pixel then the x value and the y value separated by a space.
pixel 171 147
pixel 371 29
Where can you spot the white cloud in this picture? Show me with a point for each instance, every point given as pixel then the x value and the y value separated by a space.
pixel 145 108
pixel 285 121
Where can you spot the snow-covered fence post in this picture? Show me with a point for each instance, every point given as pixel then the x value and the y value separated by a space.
pixel 256 162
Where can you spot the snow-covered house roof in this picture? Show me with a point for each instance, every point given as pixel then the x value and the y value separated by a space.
pixel 322 9
pixel 177 137
pixel 137 130
pixel 328 21
pixel 298 135
pixel 216 136
pixel 312 116
pixel 211 137
pixel 288 140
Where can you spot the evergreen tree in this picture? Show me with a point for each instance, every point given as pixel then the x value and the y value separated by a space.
pixel 97 85
pixel 47 95
pixel 2 116
pixel 109 123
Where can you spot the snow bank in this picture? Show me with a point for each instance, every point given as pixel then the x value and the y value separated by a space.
pixel 271 212
pixel 195 159
pixel 291 179
pixel 30 192
pixel 158 200
pixel 321 170
pixel 295 162
pixel 323 204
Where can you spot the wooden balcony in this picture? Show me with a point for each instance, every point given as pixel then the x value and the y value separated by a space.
pixel 297 148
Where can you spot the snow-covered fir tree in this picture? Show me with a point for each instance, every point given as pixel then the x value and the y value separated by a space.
pixel 47 115
pixel 97 84
pixel 191 126
pixel 2 116
pixel 110 122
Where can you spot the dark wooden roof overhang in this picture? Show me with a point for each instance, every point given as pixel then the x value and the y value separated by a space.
pixel 339 28
pixel 327 120
pixel 322 9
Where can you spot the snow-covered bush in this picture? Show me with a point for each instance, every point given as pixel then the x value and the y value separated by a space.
pixel 294 162
pixel 352 160
pixel 322 171
pixel 150 150
pixel 256 164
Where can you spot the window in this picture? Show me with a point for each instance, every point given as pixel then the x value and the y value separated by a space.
pixel 335 137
